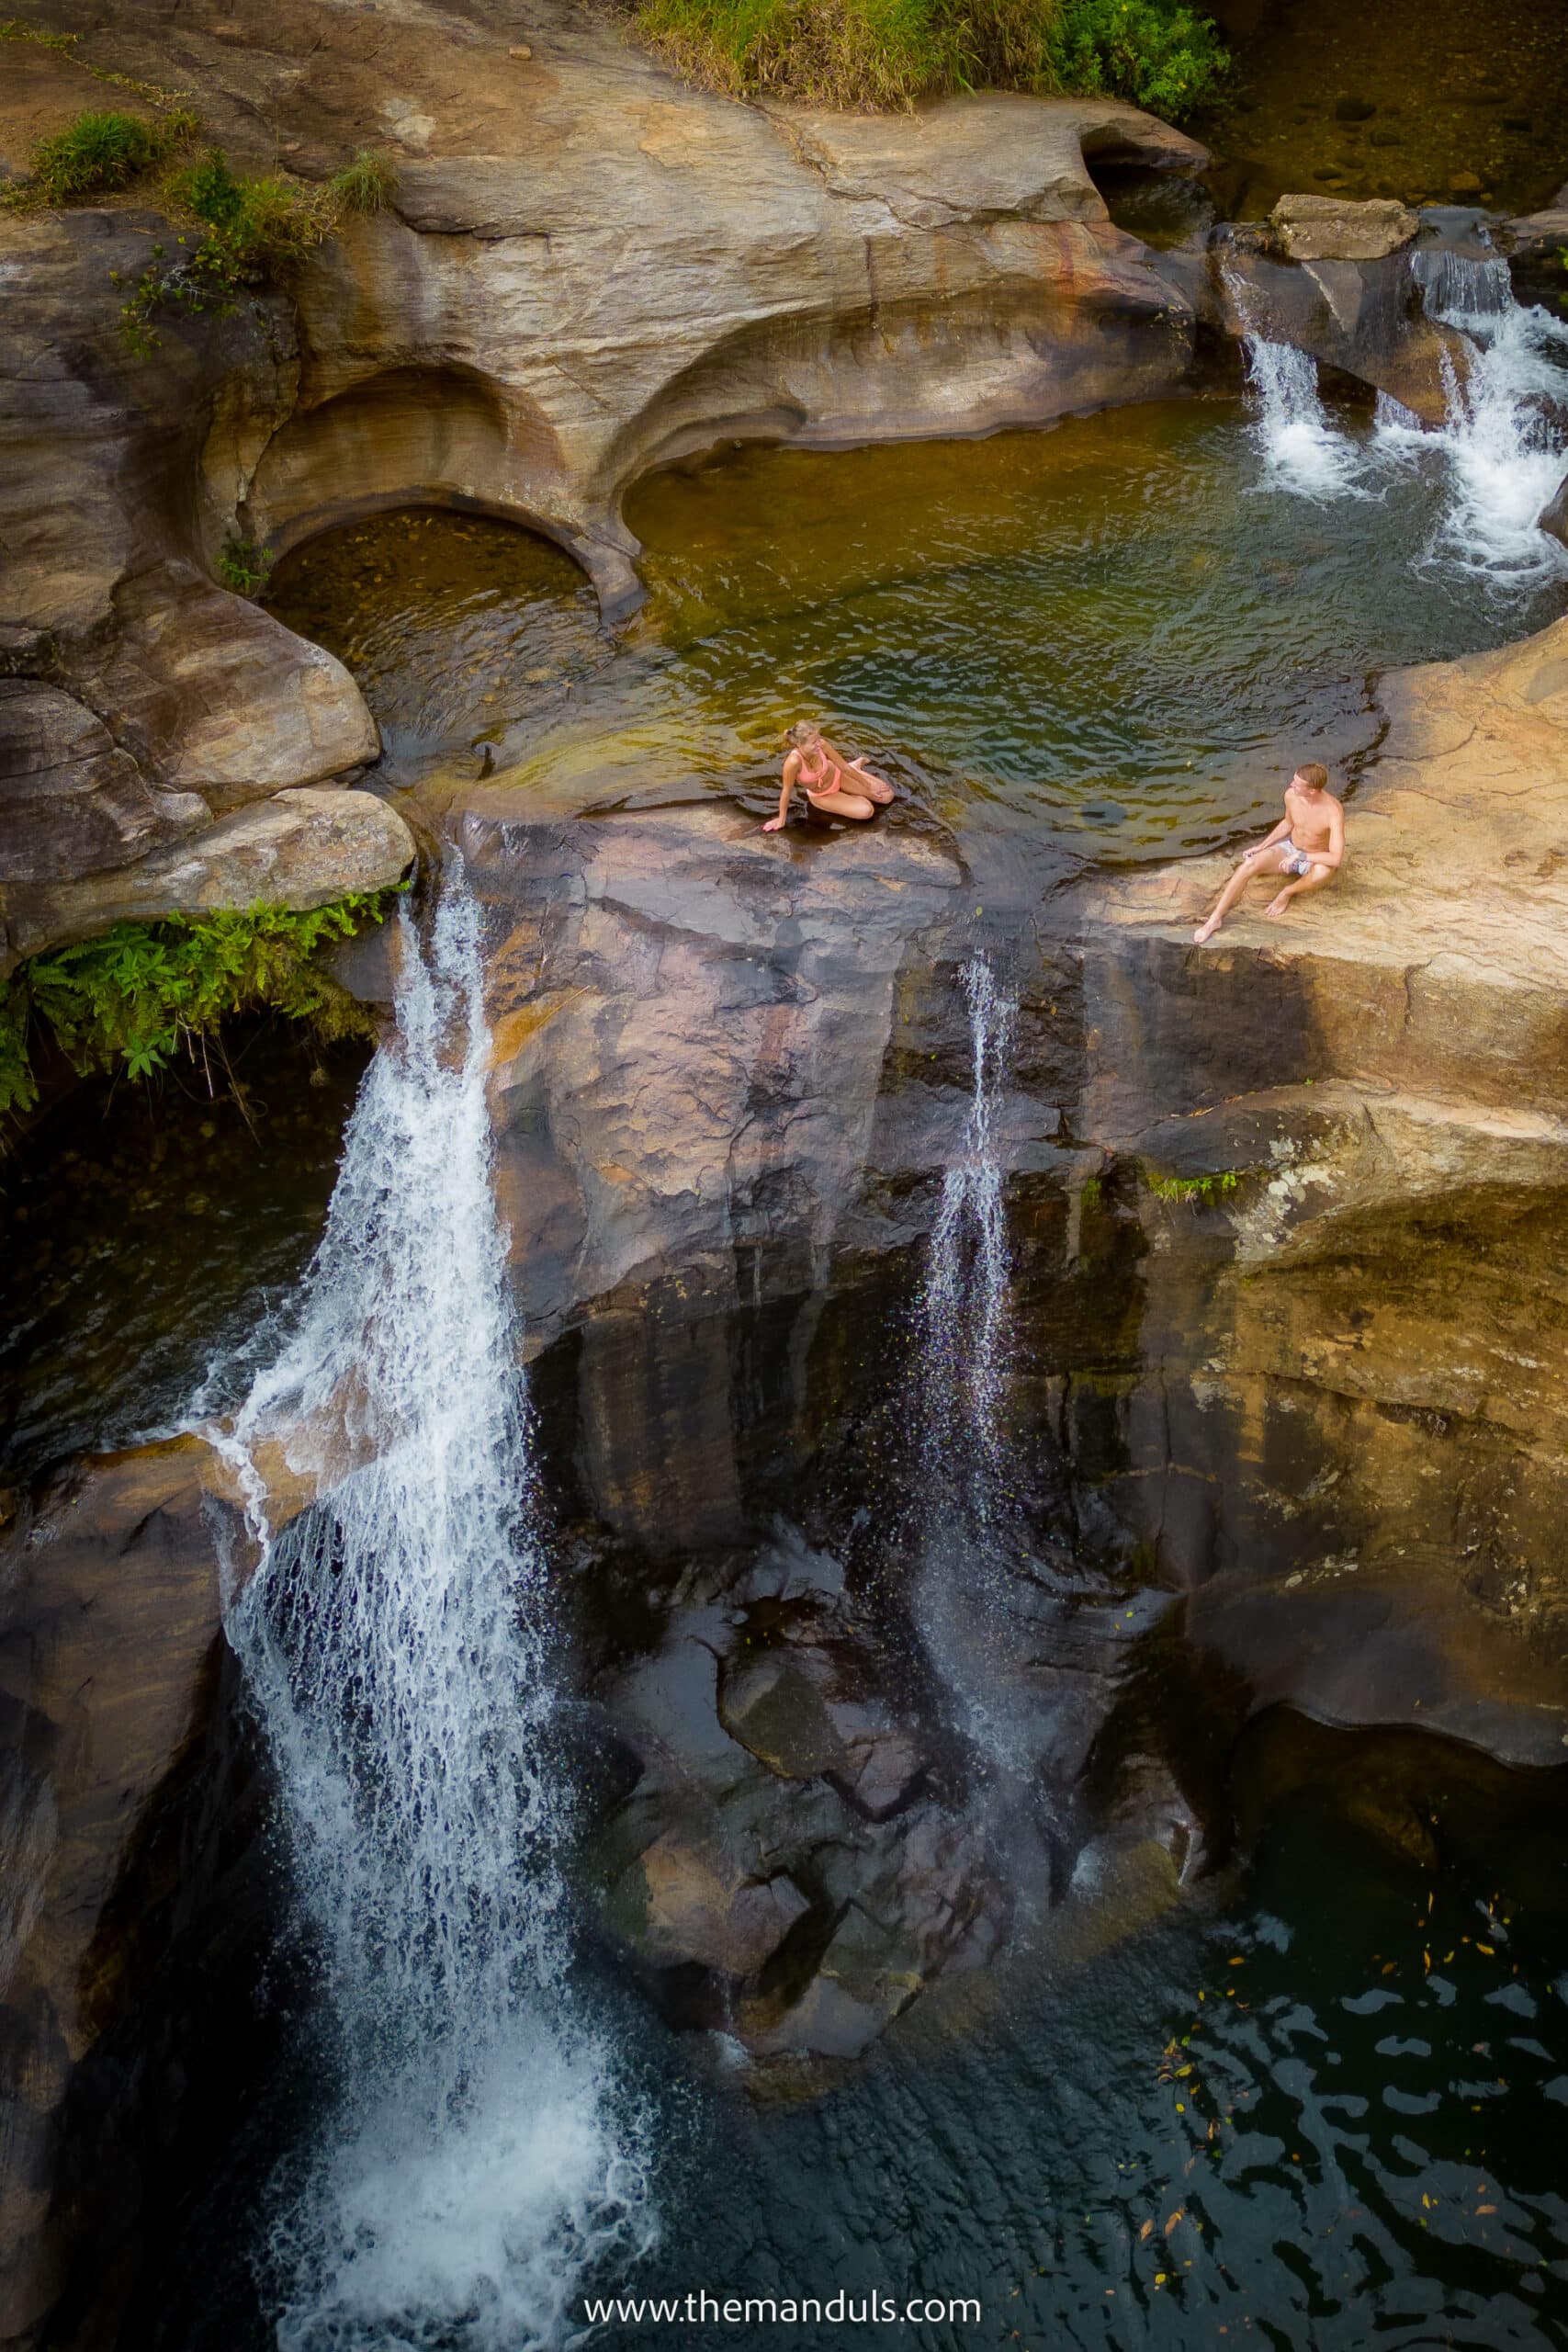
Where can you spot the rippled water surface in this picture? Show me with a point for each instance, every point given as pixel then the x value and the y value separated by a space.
pixel 146 1230
pixel 1325 2108
pixel 1119 630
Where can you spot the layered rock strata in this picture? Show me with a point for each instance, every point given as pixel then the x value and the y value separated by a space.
pixel 1348 1429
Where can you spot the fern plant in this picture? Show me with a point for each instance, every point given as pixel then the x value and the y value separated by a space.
pixel 134 997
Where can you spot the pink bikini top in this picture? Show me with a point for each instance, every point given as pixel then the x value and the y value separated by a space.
pixel 812 780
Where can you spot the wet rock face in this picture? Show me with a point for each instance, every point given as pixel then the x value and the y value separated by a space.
pixel 1360 313
pixel 107 1655
pixel 1346 1429
pixel 787 1868
pixel 729 1070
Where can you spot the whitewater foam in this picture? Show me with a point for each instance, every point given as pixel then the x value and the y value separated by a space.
pixel 476 2160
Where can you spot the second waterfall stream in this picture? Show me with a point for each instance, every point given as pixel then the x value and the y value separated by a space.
pixel 475 2160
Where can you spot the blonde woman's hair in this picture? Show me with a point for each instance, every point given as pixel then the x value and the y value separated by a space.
pixel 804 732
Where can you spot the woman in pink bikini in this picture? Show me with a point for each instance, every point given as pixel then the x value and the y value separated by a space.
pixel 833 786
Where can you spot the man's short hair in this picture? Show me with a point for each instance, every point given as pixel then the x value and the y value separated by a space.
pixel 1315 774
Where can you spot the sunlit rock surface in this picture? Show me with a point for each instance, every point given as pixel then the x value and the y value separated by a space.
pixel 1352 1392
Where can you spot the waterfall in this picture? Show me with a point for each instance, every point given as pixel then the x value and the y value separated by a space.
pixel 396 1645
pixel 1501 443
pixel 1503 455
pixel 966 1331
pixel 1302 451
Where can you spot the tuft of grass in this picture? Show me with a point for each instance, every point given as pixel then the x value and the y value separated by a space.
pixel 366 185
pixel 242 233
pixel 882 54
pixel 100 153
pixel 133 998
pixel 1203 1191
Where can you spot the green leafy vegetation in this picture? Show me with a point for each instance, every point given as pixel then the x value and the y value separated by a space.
pixel 240 233
pixel 1203 1191
pixel 1165 57
pixel 886 54
pixel 99 154
pixel 244 567
pixel 133 998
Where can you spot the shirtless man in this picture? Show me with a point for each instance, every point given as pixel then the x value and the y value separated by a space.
pixel 833 786
pixel 1308 844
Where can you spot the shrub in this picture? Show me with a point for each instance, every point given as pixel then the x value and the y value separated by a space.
pixel 883 53
pixel 243 567
pixel 135 995
pixel 100 152
pixel 251 231
pixel 1162 56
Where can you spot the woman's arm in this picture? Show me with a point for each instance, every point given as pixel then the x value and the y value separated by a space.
pixel 791 770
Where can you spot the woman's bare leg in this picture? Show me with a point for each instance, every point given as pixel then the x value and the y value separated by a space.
pixel 878 788
pixel 1268 861
pixel 842 804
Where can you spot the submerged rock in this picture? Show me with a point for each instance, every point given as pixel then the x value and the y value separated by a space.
pixel 775 1870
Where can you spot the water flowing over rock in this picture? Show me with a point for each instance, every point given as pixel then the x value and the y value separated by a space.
pixel 425 1824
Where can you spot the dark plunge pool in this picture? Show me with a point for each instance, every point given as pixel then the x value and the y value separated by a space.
pixel 1116 632
pixel 1323 2108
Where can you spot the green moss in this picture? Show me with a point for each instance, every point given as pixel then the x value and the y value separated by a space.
pixel 1202 1190
pixel 133 998
pixel 886 54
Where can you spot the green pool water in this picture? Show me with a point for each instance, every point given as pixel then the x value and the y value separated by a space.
pixel 1119 632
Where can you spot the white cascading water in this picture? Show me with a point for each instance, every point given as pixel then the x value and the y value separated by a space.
pixel 1505 458
pixel 965 1327
pixel 397 1643
pixel 1301 449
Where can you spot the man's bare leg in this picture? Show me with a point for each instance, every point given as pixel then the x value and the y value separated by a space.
pixel 1312 881
pixel 1249 868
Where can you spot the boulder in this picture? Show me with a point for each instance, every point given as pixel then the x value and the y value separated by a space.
pixel 299 849
pixel 72 801
pixel 1555 515
pixel 1332 228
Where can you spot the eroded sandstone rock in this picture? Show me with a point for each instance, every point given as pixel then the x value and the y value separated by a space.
pixel 1331 228
pixel 72 801
pixel 297 849
pixel 1352 1393
pixel 109 1614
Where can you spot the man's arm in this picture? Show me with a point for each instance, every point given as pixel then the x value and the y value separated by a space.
pixel 1279 833
pixel 1333 855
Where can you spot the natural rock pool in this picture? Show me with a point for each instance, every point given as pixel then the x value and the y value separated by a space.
pixel 1111 634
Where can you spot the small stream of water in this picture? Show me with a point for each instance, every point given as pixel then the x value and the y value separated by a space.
pixel 965 1326
pixel 396 1645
